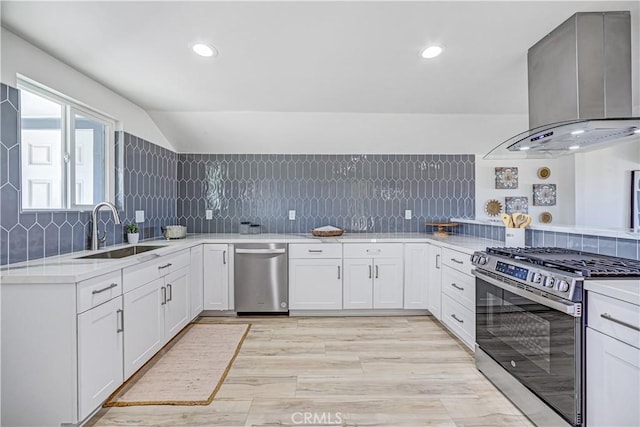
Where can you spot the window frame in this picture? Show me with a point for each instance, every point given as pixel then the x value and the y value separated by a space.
pixel 71 108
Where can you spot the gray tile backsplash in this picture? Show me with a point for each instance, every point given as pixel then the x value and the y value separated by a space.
pixel 145 178
pixel 360 193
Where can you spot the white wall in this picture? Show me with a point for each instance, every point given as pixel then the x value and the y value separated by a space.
pixel 19 56
pixel 562 174
pixel 603 185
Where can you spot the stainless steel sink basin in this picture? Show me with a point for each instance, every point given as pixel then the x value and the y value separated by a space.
pixel 121 253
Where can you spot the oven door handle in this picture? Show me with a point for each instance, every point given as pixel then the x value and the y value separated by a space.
pixel 572 309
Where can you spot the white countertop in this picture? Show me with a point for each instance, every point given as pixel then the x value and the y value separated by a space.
pixel 559 228
pixel 625 290
pixel 69 269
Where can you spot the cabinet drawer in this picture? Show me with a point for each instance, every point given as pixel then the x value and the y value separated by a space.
pixel 321 250
pixel 138 275
pixel 372 250
pixel 459 286
pixel 460 320
pixel 458 260
pixel 606 313
pixel 93 292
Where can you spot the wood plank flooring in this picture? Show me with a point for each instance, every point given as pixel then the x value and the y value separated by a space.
pixel 349 371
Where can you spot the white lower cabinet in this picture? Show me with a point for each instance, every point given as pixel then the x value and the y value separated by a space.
pixel 315 284
pixel 196 290
pixel 100 332
pixel 434 289
pixel 416 276
pixel 459 319
pixel 216 277
pixel 358 283
pixel 176 307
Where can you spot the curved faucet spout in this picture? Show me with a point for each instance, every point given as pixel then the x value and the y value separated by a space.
pixel 95 240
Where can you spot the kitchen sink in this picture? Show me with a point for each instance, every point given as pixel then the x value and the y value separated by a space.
pixel 122 252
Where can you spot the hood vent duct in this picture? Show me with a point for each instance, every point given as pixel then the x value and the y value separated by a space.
pixel 579 89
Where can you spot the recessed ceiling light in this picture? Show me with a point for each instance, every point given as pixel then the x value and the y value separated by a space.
pixel 574 147
pixel 577 132
pixel 524 148
pixel 204 50
pixel 431 52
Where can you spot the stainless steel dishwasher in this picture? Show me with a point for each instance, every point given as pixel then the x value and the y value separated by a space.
pixel 261 278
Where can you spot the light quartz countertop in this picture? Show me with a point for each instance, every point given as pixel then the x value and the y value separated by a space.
pixel 69 268
pixel 624 290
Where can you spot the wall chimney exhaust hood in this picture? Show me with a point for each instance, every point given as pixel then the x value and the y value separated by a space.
pixel 579 89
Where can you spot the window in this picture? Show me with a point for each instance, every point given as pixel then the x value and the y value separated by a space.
pixel 66 152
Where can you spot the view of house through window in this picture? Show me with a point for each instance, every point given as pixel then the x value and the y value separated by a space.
pixel 64 153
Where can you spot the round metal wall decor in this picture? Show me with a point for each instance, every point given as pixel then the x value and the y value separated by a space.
pixel 544 172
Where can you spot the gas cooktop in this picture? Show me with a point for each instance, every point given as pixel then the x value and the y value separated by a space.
pixel 585 264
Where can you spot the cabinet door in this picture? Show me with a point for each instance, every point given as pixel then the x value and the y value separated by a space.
pixel 143 324
pixel 388 283
pixel 99 355
pixel 613 381
pixel 416 274
pixel 176 309
pixel 315 284
pixel 196 292
pixel 434 281
pixel 216 277
pixel 358 283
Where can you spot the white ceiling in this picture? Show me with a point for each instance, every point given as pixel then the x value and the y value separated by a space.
pixel 316 57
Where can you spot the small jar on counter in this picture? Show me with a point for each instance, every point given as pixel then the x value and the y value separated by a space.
pixel 244 227
pixel 254 229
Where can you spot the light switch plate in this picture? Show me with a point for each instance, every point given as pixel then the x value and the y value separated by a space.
pixel 407 214
pixel 208 214
pixel 139 216
pixel 292 215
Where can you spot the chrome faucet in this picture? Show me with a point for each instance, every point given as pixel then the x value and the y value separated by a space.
pixel 95 240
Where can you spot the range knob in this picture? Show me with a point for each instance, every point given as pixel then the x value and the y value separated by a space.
pixel 563 286
pixel 549 281
pixel 482 260
pixel 536 278
pixel 475 258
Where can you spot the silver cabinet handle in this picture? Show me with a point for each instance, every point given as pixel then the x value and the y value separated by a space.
pixel 261 251
pixel 456 318
pixel 120 314
pixel 224 257
pixel 315 251
pixel 164 295
pixel 457 261
pixel 373 251
pixel 437 260
pixel 619 322
pixel 338 272
pixel 98 291
pixel 377 272
pixel 369 272
pixel 165 266
pixel 170 289
pixel 457 287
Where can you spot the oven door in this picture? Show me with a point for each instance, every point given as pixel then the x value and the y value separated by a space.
pixel 538 344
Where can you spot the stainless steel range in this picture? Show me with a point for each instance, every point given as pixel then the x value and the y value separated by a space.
pixel 529 328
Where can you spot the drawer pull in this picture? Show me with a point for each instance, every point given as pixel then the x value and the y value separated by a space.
pixel 120 314
pixel 456 318
pixel 457 261
pixel 338 272
pixel 315 251
pixel 170 289
pixel 165 266
pixel 460 288
pixel 164 295
pixel 620 322
pixel 373 251
pixel 99 291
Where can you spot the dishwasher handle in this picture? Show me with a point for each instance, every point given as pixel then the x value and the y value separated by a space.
pixel 261 251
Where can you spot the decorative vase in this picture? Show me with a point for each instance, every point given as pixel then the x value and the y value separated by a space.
pixel 133 238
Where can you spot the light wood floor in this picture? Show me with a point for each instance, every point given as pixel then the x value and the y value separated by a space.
pixel 351 371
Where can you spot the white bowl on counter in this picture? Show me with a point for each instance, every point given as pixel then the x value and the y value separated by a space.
pixel 174 231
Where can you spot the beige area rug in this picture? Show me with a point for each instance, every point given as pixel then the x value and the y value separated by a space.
pixel 188 371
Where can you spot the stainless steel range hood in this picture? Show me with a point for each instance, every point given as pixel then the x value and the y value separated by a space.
pixel 579 89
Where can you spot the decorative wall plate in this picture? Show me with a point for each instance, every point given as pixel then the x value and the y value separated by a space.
pixel 544 194
pixel 506 178
pixel 493 207
pixel 546 217
pixel 544 172
pixel 516 204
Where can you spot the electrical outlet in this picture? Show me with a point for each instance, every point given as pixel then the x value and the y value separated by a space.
pixel 292 215
pixel 139 216
pixel 208 214
pixel 407 214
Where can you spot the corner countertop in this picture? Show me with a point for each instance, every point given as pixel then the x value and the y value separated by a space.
pixel 70 268
pixel 624 290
